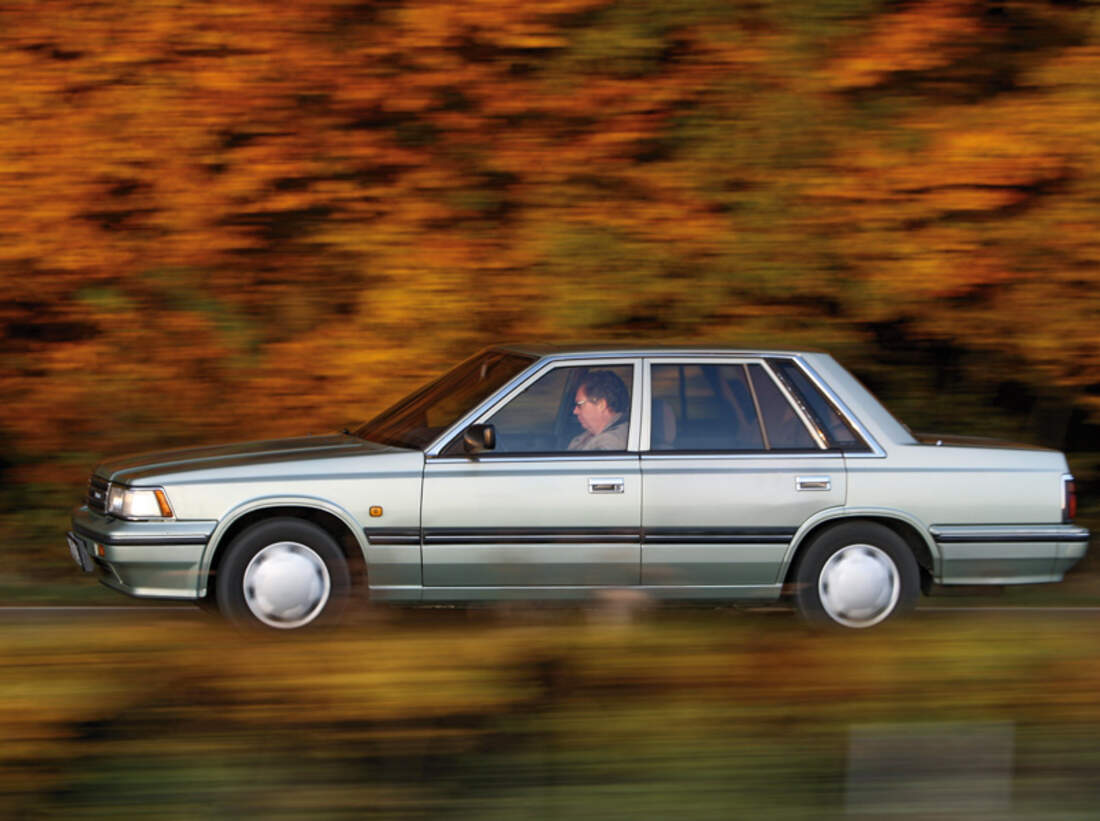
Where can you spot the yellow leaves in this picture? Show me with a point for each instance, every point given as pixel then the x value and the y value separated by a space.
pixel 531 39
pixel 922 211
pixel 353 180
pixel 925 35
pixel 972 171
pixel 968 199
pixel 993 156
pixel 502 23
pixel 919 270
pixel 214 78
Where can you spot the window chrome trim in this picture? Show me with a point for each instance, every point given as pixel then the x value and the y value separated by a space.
pixel 638 416
pixel 669 352
pixel 877 451
pixel 564 456
pixel 799 408
pixel 665 455
pixel 756 406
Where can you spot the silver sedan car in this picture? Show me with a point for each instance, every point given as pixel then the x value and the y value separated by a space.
pixel 545 473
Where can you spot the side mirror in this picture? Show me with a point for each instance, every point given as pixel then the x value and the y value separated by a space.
pixel 477 438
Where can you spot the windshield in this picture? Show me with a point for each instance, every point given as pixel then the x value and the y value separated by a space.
pixel 419 418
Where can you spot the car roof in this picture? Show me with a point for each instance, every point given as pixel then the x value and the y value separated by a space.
pixel 543 350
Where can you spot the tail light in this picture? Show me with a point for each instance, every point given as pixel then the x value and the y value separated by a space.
pixel 1069 498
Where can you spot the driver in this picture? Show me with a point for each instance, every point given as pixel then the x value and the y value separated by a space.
pixel 601 406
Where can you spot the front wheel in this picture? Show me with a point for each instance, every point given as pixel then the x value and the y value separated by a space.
pixel 282 573
pixel 856 575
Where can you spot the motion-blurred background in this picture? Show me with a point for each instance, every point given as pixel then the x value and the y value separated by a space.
pixel 241 219
pixel 225 220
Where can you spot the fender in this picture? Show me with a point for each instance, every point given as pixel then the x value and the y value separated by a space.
pixel 253 505
pixel 837 514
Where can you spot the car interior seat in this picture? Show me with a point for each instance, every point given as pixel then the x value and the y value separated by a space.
pixel 663 425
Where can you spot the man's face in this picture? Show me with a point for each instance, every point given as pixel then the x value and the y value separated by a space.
pixel 594 416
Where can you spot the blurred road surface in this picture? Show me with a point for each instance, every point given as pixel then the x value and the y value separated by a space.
pixel 10 613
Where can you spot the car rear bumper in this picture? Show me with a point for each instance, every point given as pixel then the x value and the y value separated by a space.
pixel 145 559
pixel 1008 554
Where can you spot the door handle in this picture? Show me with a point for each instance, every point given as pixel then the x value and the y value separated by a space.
pixel 605 485
pixel 814 482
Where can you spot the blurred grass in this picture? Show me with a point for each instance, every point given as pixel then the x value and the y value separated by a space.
pixel 525 714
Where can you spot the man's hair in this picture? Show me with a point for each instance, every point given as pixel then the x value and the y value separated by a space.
pixel 606 385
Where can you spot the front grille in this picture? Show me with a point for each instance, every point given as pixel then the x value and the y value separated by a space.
pixel 97 494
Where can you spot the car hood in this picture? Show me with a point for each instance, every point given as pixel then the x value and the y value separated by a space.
pixel 128 469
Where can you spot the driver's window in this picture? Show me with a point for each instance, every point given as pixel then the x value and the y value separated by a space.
pixel 546 416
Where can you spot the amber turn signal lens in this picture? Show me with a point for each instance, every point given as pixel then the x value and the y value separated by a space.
pixel 162 502
pixel 376 511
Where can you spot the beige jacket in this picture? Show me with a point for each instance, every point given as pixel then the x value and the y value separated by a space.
pixel 612 438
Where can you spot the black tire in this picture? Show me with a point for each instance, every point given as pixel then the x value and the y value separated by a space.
pixel 856 575
pixel 282 574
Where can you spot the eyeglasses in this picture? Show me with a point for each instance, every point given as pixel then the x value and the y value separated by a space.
pixel 580 402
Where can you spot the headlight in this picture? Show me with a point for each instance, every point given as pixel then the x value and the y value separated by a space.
pixel 138 503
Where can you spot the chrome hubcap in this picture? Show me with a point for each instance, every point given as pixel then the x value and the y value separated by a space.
pixel 286 585
pixel 859 585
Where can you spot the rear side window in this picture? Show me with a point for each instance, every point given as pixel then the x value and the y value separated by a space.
pixel 703 407
pixel 838 432
pixel 785 430
pixel 722 408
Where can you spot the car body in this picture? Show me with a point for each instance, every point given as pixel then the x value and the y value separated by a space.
pixel 740 475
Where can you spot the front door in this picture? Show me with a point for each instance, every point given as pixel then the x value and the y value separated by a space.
pixel 555 504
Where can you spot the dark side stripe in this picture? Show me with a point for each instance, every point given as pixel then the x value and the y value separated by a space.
pixel 138 541
pixel 392 535
pixel 529 535
pixel 1010 539
pixel 580 535
pixel 718 535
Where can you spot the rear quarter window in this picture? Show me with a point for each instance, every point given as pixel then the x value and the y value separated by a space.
pixel 838 432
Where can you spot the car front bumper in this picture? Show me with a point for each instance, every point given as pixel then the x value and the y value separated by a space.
pixel 146 559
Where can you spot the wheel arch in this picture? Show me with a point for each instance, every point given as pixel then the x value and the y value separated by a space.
pixel 911 531
pixel 334 520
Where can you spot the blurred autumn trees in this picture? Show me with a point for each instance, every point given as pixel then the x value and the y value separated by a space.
pixel 244 218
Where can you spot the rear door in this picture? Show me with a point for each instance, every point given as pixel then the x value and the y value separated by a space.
pixel 731 467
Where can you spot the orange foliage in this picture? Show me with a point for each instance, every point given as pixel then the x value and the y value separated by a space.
pixel 244 218
pixel 923 36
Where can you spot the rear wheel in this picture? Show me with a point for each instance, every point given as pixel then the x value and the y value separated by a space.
pixel 856 575
pixel 283 574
